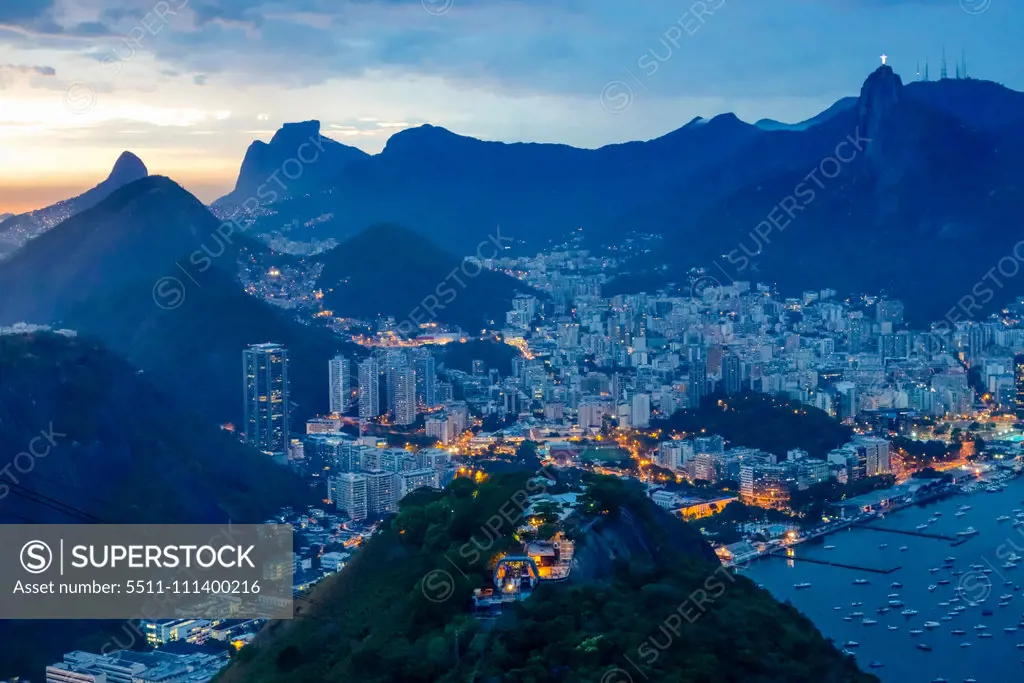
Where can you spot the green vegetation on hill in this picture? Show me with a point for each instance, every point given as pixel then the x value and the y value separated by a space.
pixel 920 453
pixel 123 451
pixel 762 421
pixel 723 525
pixel 605 455
pixel 400 611
pixel 117 450
pixel 389 270
pixel 200 343
pixel 812 501
pixel 493 353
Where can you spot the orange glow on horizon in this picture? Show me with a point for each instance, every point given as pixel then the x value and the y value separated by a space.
pixel 21 195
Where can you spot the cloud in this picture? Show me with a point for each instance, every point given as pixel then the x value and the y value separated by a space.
pixel 17 11
pixel 66 23
pixel 12 72
pixel 27 69
pixel 564 47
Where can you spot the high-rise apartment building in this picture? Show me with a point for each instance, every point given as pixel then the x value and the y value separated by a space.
pixel 410 480
pixel 1018 379
pixel 876 455
pixel 439 427
pixel 265 388
pixel 458 413
pixel 340 384
pixel 697 387
pixel 732 379
pixel 640 411
pixel 369 389
pixel 348 491
pixel 426 380
pixel 403 399
pixel 846 400
pixel 380 492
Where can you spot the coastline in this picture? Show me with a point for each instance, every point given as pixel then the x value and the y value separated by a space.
pixel 971 592
pixel 999 477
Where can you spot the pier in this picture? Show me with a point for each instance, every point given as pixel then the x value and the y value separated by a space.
pixel 782 554
pixel 955 540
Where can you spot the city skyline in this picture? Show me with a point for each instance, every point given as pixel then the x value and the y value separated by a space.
pixel 725 295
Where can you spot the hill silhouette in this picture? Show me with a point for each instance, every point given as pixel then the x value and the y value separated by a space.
pixel 147 272
pixel 381 619
pixel 934 179
pixel 16 230
pixel 113 448
pixel 390 270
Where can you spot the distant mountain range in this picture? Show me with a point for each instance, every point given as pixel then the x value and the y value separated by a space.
pixel 16 230
pixel 297 161
pixel 911 192
pixel 154 275
pixel 927 179
pixel 936 176
pixel 837 108
pixel 147 272
pixel 456 189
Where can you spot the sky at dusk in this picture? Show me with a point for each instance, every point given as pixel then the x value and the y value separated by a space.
pixel 188 84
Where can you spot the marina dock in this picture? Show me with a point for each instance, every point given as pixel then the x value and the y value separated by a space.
pixel 874 570
pixel 955 540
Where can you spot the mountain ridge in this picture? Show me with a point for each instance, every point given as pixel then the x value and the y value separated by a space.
pixel 889 213
pixel 297 160
pixel 453 188
pixel 153 274
pixel 838 107
pixel 16 230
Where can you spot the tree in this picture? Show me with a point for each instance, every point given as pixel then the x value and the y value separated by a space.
pixel 492 422
pixel 388 629
pixel 761 421
pixel 661 474
pixel 546 531
pixel 526 455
